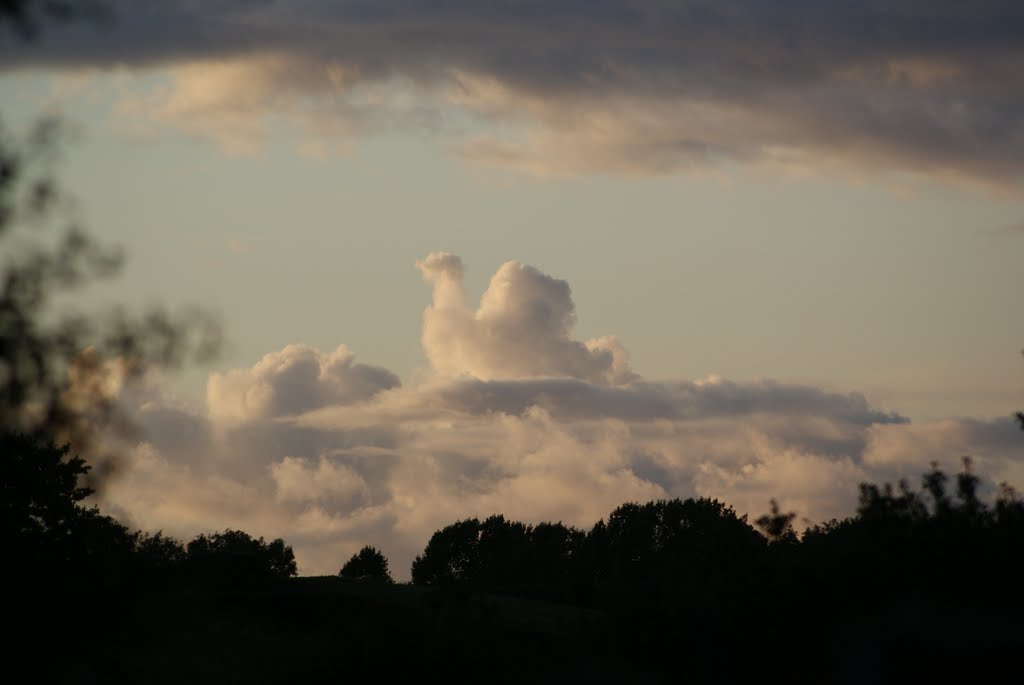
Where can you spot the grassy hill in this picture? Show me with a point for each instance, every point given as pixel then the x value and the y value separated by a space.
pixel 323 628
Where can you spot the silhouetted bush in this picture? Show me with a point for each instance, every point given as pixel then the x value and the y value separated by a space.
pixel 452 554
pixel 368 565
pixel 234 556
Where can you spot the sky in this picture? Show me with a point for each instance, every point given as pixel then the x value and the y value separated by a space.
pixel 541 258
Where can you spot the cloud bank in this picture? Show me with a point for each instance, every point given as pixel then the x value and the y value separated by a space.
pixel 925 87
pixel 514 416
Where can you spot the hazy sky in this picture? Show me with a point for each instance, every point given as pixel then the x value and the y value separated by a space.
pixel 733 248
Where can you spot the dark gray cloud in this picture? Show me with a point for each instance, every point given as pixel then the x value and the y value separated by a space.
pixel 177 431
pixel 562 397
pixel 255 438
pixel 1012 229
pixel 562 43
pixel 928 86
pixel 727 398
pixel 568 398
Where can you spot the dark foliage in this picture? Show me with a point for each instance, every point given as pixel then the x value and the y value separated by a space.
pixel 682 540
pixel 368 565
pixel 50 536
pixel 158 562
pixel 53 366
pixel 683 581
pixel 777 526
pixel 234 556
pixel 498 554
pixel 452 554
pixel 47 533
pixel 69 570
pixel 40 489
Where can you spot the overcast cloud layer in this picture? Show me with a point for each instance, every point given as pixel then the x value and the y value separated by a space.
pixel 514 416
pixel 926 87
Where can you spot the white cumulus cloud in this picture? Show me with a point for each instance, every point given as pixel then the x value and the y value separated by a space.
pixel 522 328
pixel 296 379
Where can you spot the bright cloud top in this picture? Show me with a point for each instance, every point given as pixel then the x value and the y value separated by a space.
pixel 521 329
pixel 515 417
pixel 926 87
pixel 294 380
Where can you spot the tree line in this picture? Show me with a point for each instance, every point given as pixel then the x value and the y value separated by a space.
pixel 925 534
pixel 49 534
pixel 916 572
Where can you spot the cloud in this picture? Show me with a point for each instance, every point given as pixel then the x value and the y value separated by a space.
pixel 333 455
pixel 675 400
pixel 926 87
pixel 1011 229
pixel 298 480
pixel 522 328
pixel 296 379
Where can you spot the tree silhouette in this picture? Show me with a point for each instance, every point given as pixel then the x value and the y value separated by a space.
pixel 70 564
pixel 682 531
pixel 158 560
pixel 452 554
pixel 55 402
pixel 503 551
pixel 234 555
pixel 367 565
pixel 776 525
pixel 53 365
pixel 40 489
pixel 54 399
pixel 553 562
pixel 663 543
pixel 47 533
